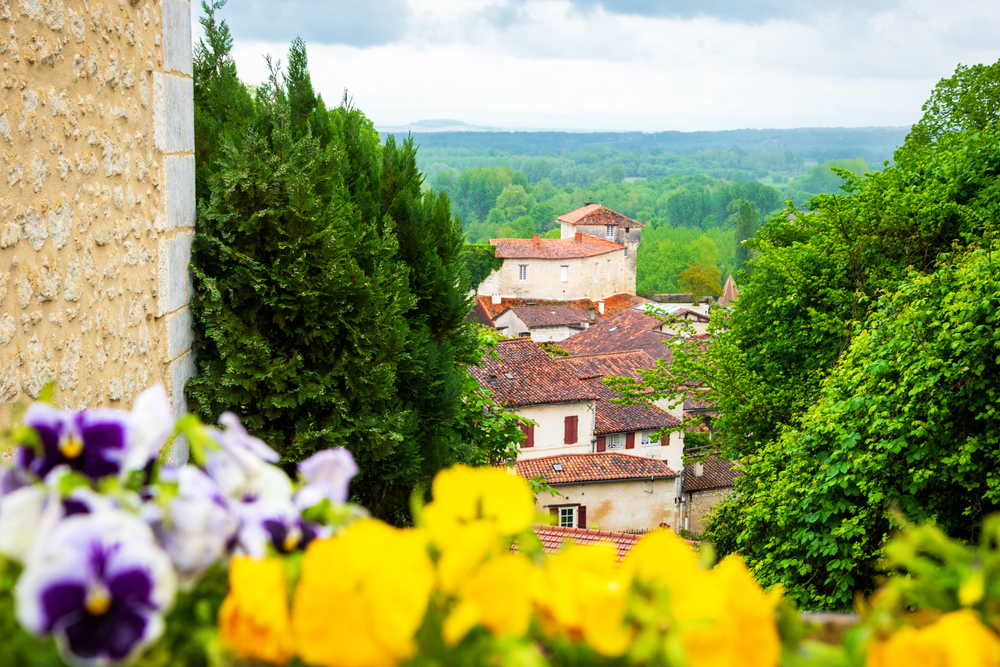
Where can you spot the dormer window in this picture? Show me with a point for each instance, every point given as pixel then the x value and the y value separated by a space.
pixel 609 232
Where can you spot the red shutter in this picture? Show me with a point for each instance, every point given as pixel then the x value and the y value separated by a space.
pixel 630 441
pixel 665 440
pixel 529 434
pixel 602 443
pixel 581 517
pixel 571 430
pixel 554 511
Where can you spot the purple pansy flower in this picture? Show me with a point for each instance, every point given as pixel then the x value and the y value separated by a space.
pixel 100 585
pixel 327 475
pixel 275 524
pixel 199 526
pixel 93 442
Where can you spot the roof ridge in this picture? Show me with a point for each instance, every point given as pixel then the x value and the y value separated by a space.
pixel 588 531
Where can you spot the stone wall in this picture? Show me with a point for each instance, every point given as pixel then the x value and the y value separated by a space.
pixel 700 504
pixel 550 429
pixel 544 279
pixel 96 201
pixel 620 505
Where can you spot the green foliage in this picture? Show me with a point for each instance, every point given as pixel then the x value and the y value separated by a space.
pixel 858 370
pixel 701 281
pixel 331 293
pixel 481 261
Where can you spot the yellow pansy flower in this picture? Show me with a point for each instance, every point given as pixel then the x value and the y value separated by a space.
pixel 362 596
pixel 583 596
pixel 957 639
pixel 498 597
pixel 253 620
pixel 465 549
pixel 463 495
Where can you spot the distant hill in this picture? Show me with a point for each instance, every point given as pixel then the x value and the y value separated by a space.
pixel 875 144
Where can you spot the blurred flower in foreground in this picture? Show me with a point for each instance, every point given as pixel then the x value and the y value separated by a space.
pixel 327 475
pixel 957 639
pixel 498 596
pixel 100 585
pixel 254 621
pixel 362 596
pixel 585 598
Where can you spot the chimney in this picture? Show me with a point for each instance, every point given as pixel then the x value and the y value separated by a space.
pixel 579 237
pixel 600 306
pixel 593 315
pixel 536 238
pixel 496 299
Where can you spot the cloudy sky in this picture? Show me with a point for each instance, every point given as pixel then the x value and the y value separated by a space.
pixel 647 65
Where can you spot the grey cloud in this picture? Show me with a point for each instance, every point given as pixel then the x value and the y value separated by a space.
pixel 358 23
pixel 736 10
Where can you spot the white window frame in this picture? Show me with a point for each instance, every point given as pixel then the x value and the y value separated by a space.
pixel 597 269
pixel 564 273
pixel 615 441
pixel 647 439
pixel 609 232
pixel 522 272
pixel 568 514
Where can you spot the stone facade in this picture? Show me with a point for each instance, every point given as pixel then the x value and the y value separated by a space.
pixel 628 237
pixel 700 504
pixel 593 278
pixel 619 505
pixel 550 429
pixel 97 202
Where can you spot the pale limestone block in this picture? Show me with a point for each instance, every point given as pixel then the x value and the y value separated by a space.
pixel 174 277
pixel 180 191
pixel 177 36
pixel 180 333
pixel 173 113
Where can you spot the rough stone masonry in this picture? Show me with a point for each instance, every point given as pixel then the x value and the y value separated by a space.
pixel 97 202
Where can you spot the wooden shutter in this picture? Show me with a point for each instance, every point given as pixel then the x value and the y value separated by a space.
pixel 630 441
pixel 581 517
pixel 571 430
pixel 665 440
pixel 529 433
pixel 554 511
pixel 602 443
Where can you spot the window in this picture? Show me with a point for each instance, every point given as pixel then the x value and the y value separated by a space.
pixel 649 439
pixel 626 253
pixel 609 232
pixel 597 268
pixel 567 517
pixel 572 430
pixel 616 441
pixel 564 273
pixel 522 271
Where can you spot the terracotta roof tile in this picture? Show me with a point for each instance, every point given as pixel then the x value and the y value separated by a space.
pixel 628 330
pixel 717 474
pixel 554 537
pixel 550 316
pixel 593 467
pixel 585 246
pixel 729 292
pixel 611 364
pixel 595 214
pixel 485 311
pixel 615 418
pixel 526 375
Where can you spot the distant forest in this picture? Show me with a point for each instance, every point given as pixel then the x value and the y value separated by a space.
pixel 699 193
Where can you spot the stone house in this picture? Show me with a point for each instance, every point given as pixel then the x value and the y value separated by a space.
pixel 543 324
pixel 600 222
pixel 580 267
pixel 525 379
pixel 705 484
pixel 609 491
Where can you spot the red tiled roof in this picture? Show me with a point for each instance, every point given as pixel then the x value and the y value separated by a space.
pixel 615 418
pixel 553 537
pixel 595 214
pixel 612 364
pixel 593 467
pixel 628 330
pixel 485 311
pixel 585 246
pixel 526 375
pixel 717 474
pixel 550 316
